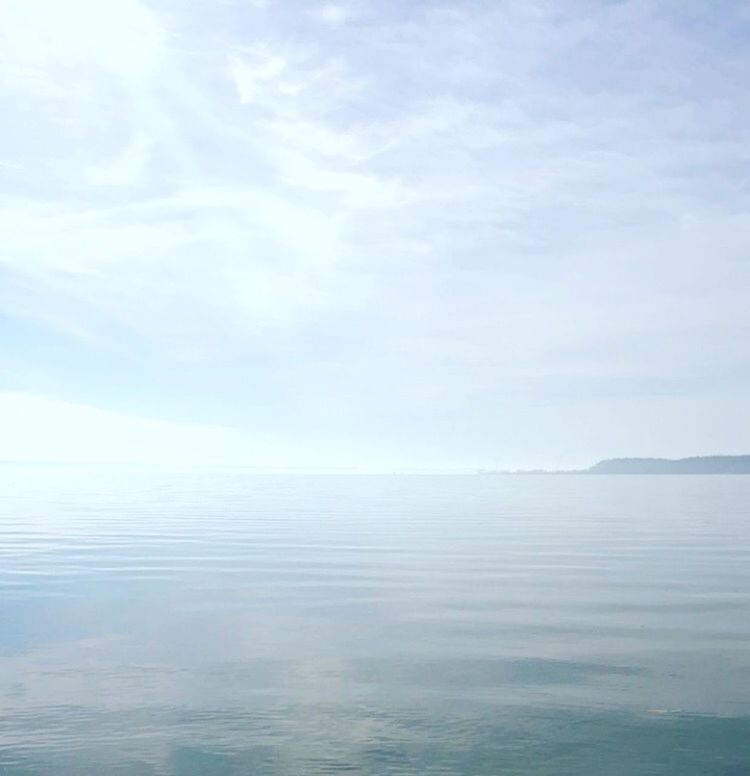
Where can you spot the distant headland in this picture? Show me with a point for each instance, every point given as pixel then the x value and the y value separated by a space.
pixel 705 464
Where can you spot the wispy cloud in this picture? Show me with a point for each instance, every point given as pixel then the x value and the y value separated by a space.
pixel 411 212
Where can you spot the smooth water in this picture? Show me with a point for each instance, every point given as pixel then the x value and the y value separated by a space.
pixel 203 623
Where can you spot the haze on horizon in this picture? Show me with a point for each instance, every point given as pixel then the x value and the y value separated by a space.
pixel 439 234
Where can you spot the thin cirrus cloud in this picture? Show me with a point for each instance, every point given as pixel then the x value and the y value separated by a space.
pixel 378 234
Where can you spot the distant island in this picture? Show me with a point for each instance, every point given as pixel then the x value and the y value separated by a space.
pixel 706 464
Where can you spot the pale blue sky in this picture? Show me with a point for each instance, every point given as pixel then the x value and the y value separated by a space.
pixel 374 234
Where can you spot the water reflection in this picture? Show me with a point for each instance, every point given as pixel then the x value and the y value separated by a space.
pixel 331 739
pixel 166 623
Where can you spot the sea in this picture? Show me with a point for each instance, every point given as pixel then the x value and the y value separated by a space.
pixel 221 622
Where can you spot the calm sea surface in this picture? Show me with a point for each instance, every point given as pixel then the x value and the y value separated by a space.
pixel 212 623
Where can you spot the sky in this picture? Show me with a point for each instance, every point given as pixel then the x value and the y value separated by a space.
pixel 441 235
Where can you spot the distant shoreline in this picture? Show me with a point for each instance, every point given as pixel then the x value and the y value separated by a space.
pixel 707 464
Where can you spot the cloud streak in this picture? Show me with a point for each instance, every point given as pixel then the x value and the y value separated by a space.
pixel 398 223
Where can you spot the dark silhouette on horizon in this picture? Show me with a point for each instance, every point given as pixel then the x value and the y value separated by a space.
pixel 705 464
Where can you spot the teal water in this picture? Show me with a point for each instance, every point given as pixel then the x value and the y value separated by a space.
pixel 212 623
